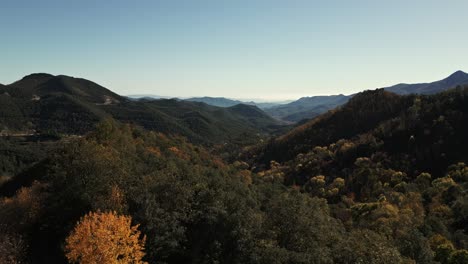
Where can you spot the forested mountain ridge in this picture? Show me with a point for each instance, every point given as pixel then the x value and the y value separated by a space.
pixel 43 103
pixel 42 84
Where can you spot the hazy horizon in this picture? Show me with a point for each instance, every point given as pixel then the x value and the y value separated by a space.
pixel 265 99
pixel 271 50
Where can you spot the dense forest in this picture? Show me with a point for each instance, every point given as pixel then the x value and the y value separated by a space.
pixel 381 179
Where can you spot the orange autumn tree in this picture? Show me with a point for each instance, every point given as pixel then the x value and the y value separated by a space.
pixel 105 238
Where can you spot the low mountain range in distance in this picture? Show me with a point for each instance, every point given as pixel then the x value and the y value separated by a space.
pixel 214 101
pixel 309 107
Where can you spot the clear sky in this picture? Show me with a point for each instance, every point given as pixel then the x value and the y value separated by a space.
pixel 273 49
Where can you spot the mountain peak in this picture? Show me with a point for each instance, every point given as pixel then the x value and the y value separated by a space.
pixel 37 76
pixel 458 74
pixel 29 82
pixel 456 78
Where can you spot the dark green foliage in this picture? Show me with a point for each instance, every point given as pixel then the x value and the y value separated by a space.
pixel 298 229
pixel 364 246
pixel 199 122
pixel 20 153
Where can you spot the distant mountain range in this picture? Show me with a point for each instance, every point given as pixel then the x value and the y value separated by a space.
pixel 218 101
pixel 44 104
pixel 310 107
pixel 226 102
pixel 457 78
pixel 214 101
pixel 147 96
pixel 306 107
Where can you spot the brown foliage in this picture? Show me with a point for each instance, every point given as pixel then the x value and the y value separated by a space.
pixel 23 209
pixel 12 248
pixel 154 150
pixel 112 200
pixel 179 153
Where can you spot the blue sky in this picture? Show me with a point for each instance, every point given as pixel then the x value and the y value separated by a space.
pixel 240 49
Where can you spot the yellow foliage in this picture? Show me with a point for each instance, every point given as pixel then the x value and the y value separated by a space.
pixel 440 210
pixel 345 146
pixel 438 240
pixel 105 238
pixel 332 192
pixel 338 183
pixel 444 183
pixel 318 180
pixel 274 173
